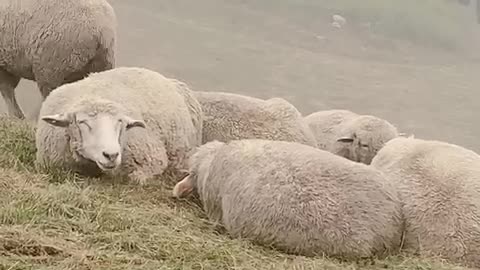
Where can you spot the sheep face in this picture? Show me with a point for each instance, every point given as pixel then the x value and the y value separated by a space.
pixel 95 137
pixel 355 149
pixel 363 137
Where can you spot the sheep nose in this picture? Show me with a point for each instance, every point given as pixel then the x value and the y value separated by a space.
pixel 110 156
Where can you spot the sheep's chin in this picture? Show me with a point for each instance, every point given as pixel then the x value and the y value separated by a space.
pixel 107 168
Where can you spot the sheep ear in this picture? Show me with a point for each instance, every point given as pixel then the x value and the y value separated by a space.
pixel 345 139
pixel 131 123
pixel 183 188
pixel 58 120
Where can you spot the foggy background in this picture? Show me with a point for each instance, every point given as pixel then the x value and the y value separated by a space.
pixel 415 65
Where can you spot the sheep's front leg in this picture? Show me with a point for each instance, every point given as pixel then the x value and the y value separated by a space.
pixel 8 83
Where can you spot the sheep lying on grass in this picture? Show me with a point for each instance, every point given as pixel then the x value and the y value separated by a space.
pixel 233 117
pixel 53 42
pixel 294 197
pixel 347 134
pixel 439 186
pixel 129 118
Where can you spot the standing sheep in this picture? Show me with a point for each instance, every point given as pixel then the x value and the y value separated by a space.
pixel 53 42
pixel 234 117
pixel 439 187
pixel 127 120
pixel 347 134
pixel 294 197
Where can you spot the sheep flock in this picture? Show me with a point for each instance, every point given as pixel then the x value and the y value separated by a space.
pixel 333 183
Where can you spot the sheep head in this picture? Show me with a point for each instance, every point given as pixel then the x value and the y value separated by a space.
pixel 95 135
pixel 355 149
pixel 363 137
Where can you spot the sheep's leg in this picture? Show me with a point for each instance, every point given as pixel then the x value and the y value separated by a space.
pixel 48 78
pixel 45 89
pixel 8 83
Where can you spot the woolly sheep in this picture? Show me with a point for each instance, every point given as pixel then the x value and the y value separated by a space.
pixel 124 121
pixel 232 117
pixel 439 187
pixel 347 134
pixel 53 42
pixel 294 197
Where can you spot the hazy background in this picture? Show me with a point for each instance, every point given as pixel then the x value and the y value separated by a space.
pixel 415 64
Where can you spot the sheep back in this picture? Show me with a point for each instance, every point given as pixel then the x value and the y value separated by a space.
pixel 56 41
pixel 233 117
pixel 297 198
pixel 325 125
pixel 439 187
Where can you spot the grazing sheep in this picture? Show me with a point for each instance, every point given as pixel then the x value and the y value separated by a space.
pixel 234 117
pixel 439 187
pixel 53 42
pixel 294 197
pixel 126 116
pixel 347 134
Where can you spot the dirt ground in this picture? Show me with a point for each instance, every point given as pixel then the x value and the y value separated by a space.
pixel 266 50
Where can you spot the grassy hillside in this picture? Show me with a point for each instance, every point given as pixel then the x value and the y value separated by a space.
pixel 57 220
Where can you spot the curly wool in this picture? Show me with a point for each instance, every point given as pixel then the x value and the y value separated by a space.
pixel 234 117
pixel 172 115
pixel 439 187
pixel 297 198
pixel 54 42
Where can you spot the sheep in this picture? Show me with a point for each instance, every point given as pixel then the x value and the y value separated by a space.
pixel 125 121
pixel 53 42
pixel 439 188
pixel 229 116
pixel 352 136
pixel 295 198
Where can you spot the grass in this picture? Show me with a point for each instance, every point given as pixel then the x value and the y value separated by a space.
pixel 58 220
pixel 434 23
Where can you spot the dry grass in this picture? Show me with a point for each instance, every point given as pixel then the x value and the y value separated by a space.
pixel 57 220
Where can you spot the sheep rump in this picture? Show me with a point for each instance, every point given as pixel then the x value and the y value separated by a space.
pixel 173 119
pixel 350 135
pixel 234 117
pixel 439 187
pixel 294 197
pixel 53 42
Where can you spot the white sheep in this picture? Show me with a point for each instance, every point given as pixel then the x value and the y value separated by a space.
pixel 53 42
pixel 127 120
pixel 347 134
pixel 297 198
pixel 229 116
pixel 439 188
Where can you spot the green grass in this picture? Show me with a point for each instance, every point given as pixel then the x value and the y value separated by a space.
pixel 58 220
pixel 437 23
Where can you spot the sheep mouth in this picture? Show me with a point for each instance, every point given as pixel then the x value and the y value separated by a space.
pixel 99 165
pixel 106 167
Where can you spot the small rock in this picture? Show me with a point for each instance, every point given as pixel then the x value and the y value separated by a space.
pixel 339 20
pixel 336 25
